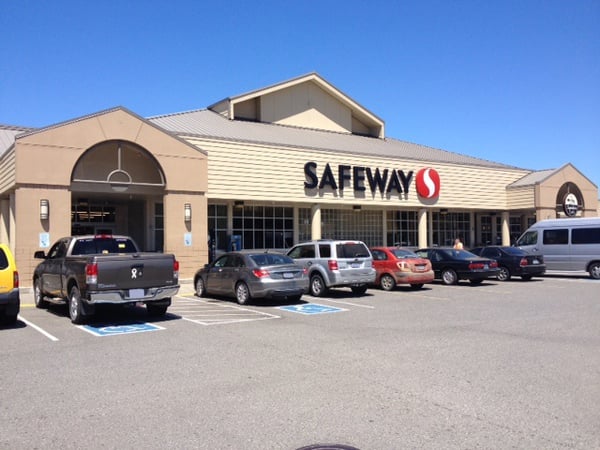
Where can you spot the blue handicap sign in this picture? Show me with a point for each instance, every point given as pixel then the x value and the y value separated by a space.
pixel 311 308
pixel 112 330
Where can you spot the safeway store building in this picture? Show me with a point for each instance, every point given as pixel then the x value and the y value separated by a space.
pixel 294 161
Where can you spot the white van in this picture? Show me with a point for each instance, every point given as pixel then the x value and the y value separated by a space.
pixel 571 245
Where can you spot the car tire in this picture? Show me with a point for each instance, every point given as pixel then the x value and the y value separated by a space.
pixel 200 287
pixel 416 286
pixel 504 274
pixel 76 312
pixel 359 290
pixel 8 319
pixel 595 271
pixel 242 293
pixel 317 285
pixel 38 297
pixel 387 282
pixel 156 310
pixel 449 277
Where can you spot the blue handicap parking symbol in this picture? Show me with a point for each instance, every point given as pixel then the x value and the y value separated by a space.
pixel 311 308
pixel 112 330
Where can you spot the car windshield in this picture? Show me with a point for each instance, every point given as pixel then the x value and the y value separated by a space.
pixel 402 253
pixel 271 259
pixel 352 250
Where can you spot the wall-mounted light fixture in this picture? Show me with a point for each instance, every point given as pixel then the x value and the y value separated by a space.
pixel 444 211
pixel 44 209
pixel 238 203
pixel 356 208
pixel 187 212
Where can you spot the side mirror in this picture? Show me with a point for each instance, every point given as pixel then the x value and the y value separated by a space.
pixel 39 255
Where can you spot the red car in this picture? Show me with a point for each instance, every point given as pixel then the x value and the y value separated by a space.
pixel 396 265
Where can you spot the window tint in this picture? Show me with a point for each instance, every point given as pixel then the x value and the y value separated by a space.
pixel 529 238
pixel 3 260
pixel 556 237
pixel 324 251
pixel 352 250
pixel 585 236
pixel 378 255
pixel 402 253
pixel 271 259
pixel 221 261
pixel 93 246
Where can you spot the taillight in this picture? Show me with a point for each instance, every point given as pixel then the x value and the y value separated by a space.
pixel 523 262
pixel 15 279
pixel 91 273
pixel 403 266
pixel 333 264
pixel 494 264
pixel 260 273
pixel 475 266
pixel 175 269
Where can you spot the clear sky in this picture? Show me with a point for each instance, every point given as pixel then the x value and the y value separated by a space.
pixel 512 81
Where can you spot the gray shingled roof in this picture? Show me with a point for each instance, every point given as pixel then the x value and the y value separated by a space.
pixel 533 178
pixel 208 124
pixel 7 136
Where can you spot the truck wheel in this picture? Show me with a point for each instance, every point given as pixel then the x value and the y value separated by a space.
pixel 76 306
pixel 387 282
pixel 242 293
pixel 38 297
pixel 156 310
pixel 317 285
pixel 200 288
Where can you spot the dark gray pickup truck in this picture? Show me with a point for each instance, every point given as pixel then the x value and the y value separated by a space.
pixel 88 270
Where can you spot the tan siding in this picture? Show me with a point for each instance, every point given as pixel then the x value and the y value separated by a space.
pixel 242 171
pixel 7 171
pixel 521 198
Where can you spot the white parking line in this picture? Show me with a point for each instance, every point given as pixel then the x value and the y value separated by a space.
pixel 35 327
pixel 209 312
pixel 348 303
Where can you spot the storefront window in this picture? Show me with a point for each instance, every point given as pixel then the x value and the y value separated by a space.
pixel 264 226
pixel 449 226
pixel 361 225
pixel 217 226
pixel 402 228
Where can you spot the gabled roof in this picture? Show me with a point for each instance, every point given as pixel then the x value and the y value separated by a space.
pixel 539 176
pixel 8 135
pixel 210 125
pixel 227 106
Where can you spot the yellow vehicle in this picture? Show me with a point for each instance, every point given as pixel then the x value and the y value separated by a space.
pixel 10 301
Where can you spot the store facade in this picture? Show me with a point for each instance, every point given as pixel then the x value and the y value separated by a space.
pixel 295 161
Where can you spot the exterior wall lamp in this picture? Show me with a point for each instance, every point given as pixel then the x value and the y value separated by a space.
pixel 356 208
pixel 187 212
pixel 238 203
pixel 44 209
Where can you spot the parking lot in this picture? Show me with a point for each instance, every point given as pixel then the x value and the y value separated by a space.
pixel 499 365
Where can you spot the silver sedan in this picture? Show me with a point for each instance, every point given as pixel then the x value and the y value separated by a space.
pixel 246 275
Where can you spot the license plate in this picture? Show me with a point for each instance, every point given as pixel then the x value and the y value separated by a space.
pixel 536 261
pixel 136 293
pixel 356 265
pixel 419 268
pixel 288 275
pixel 486 267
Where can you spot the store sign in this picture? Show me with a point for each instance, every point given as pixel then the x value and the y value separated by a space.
pixel 359 178
pixel 570 205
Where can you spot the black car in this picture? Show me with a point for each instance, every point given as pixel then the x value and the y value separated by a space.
pixel 513 261
pixel 451 265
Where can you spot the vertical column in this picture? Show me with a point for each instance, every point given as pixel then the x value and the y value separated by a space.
pixel 12 224
pixel 423 228
pixel 505 228
pixel 472 238
pixel 296 232
pixel 315 222
pixel 4 221
pixel 229 219
pixel 384 240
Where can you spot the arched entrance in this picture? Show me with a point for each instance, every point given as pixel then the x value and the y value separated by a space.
pixel 117 187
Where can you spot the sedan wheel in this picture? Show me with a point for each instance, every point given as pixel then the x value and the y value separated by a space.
pixel 242 293
pixel 504 274
pixel 387 282
pixel 200 289
pixel 449 277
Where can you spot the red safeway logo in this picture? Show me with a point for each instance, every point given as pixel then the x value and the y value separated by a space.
pixel 428 183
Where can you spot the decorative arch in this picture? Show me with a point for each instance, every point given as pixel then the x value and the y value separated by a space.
pixel 118 166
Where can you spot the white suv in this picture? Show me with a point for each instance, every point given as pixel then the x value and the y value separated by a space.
pixel 333 263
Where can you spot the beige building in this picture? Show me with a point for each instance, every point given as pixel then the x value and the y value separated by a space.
pixel 266 169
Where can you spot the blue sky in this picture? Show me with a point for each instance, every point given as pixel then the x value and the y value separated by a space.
pixel 516 82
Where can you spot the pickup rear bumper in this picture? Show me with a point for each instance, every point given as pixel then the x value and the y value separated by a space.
pixel 132 295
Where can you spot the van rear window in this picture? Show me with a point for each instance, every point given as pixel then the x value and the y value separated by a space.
pixel 556 237
pixel 585 236
pixel 352 250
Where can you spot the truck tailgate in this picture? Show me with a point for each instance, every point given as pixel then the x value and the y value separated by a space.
pixel 137 271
